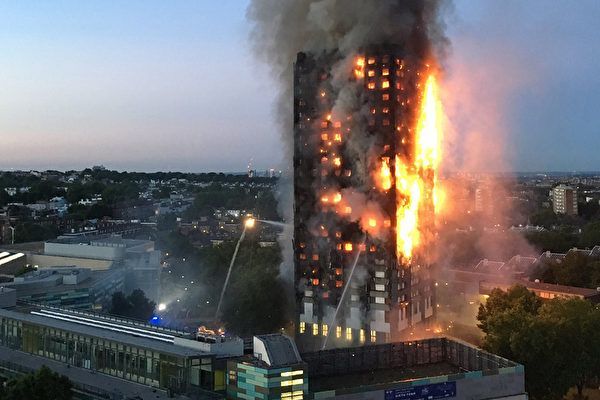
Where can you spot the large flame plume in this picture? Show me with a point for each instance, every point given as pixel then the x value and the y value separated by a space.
pixel 416 180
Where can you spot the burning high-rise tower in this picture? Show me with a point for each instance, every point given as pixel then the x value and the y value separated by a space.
pixel 364 175
pixel 365 157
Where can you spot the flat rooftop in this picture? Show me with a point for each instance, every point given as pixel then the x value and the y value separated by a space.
pixel 30 247
pixel 107 240
pixel 351 369
pixel 550 287
pixel 385 376
pixel 93 326
pixel 488 285
pixel 7 257
pixel 34 283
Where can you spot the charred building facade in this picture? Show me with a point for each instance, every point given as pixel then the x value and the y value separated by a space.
pixel 357 280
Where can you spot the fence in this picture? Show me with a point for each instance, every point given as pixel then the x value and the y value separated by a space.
pixel 402 355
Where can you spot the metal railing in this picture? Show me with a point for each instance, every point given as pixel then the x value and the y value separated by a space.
pixel 111 318
pixel 403 355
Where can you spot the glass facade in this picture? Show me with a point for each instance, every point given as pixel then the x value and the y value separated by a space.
pixel 69 298
pixel 247 380
pixel 78 297
pixel 137 364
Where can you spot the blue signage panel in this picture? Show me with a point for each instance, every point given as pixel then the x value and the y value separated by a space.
pixel 434 391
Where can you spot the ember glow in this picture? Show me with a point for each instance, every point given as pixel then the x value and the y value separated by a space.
pixel 359 69
pixel 384 177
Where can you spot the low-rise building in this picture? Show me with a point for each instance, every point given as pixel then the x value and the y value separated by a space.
pixel 8 297
pixel 423 369
pixel 137 258
pixel 544 290
pixel 69 287
pixel 135 352
pixel 208 365
pixel 11 263
pixel 275 371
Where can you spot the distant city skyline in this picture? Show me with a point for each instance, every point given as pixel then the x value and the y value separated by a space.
pixel 149 86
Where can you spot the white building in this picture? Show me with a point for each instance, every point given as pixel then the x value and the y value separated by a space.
pixel 564 200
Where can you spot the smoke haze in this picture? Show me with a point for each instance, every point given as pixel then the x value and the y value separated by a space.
pixel 282 29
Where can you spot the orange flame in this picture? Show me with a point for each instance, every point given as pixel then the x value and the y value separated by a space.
pixel 384 177
pixel 359 68
pixel 407 211
pixel 439 198
pixel 333 198
pixel 416 181
pixel 428 128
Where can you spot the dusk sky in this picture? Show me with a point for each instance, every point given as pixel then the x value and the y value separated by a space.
pixel 172 85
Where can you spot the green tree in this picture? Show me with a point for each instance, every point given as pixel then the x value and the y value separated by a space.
pixel 589 210
pixel 78 211
pixel 556 340
pixel 4 198
pixel 167 222
pixel 177 245
pixel 255 301
pixel 42 190
pixel 31 232
pixel 266 205
pixel 261 201
pixel 558 242
pixel 590 236
pixel 99 211
pixel 79 191
pixel 546 218
pixel 530 345
pixel 120 305
pixel 163 193
pixel 504 314
pixel 115 193
pixel 142 307
pixel 136 305
pixel 260 302
pixel 575 269
pixel 44 384
pixel 574 325
pixel 258 307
